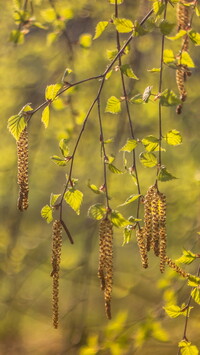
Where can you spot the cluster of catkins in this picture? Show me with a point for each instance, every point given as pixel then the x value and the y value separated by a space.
pixel 22 177
pixel 55 261
pixel 153 234
pixel 182 71
pixel 105 270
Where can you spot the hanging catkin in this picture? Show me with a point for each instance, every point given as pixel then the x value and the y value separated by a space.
pixel 22 177
pixel 176 268
pixel 148 216
pixel 162 230
pixel 105 270
pixel 142 245
pixel 55 261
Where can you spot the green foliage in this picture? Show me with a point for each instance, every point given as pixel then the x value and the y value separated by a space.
pixel 187 258
pixel 123 25
pixel 195 37
pixel 114 170
pixel 128 71
pixel 166 27
pixel 59 161
pixel 186 60
pixel 164 175
pixel 74 199
pixel 149 160
pixel 151 143
pixel 113 105
pixel 196 294
pixel 63 145
pixel 97 211
pixel 173 137
pixel 85 40
pixel 187 348
pixel 52 91
pixel 129 200
pixel 47 213
pixel 118 219
pixel 174 311
pixel 100 28
pixel 169 98
pixel 45 116
pixel 53 199
pixel 16 125
pixel 129 146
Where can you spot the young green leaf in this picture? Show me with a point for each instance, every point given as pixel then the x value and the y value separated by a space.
pixel 16 125
pixel 94 188
pixel 193 281
pixel 174 311
pixel 53 199
pixel 97 211
pixel 185 59
pixel 114 170
pixel 129 200
pixel 47 213
pixel 111 53
pixel 65 74
pixel 127 235
pixel 151 143
pixel 173 137
pixel 100 28
pixel 179 34
pixel 128 71
pixel 196 294
pixel 129 146
pixel 149 160
pixel 51 91
pixel 187 258
pixel 164 175
pixel 166 27
pixel 154 70
pixel 85 40
pixel 118 2
pixel 168 56
pixel 187 348
pixel 45 116
pixel 59 161
pixel 195 37
pixel 74 199
pixel 113 105
pixel 158 7
pixel 123 25
pixel 137 99
pixel 118 220
pixel 147 93
pixel 64 147
pixel 169 98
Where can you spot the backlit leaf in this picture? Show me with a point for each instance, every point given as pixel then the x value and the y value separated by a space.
pixel 169 98
pixel 173 137
pixel 114 170
pixel 113 105
pixel 94 188
pixel 16 125
pixel 85 40
pixel 128 71
pixel 47 213
pixel 59 161
pixel 53 199
pixel 111 53
pixel 166 27
pixel 154 70
pixel 118 2
pixel 196 294
pixel 64 147
pixel 185 59
pixel 187 348
pixel 100 28
pixel 187 258
pixel 151 143
pixel 168 56
pixel 118 220
pixel 174 311
pixel 97 211
pixel 179 34
pixel 149 160
pixel 193 281
pixel 158 7
pixel 123 25
pixel 164 175
pixel 137 99
pixel 45 116
pixel 130 199
pixel 129 146
pixel 74 199
pixel 51 91
pixel 195 37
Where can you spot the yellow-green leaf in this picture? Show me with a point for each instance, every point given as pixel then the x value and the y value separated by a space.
pixel 47 213
pixel 129 146
pixel 59 161
pixel 123 25
pixel 113 105
pixel 129 200
pixel 151 143
pixel 195 37
pixel 149 160
pixel 158 7
pixel 168 56
pixel 16 125
pixel 111 53
pixel 196 294
pixel 173 137
pixel 74 199
pixel 187 348
pixel 169 98
pixel 118 220
pixel 85 40
pixel 164 175
pixel 53 199
pixel 187 258
pixel 97 211
pixel 174 311
pixel 179 34
pixel 45 116
pixel 128 71
pixel 94 188
pixel 185 59
pixel 51 91
pixel 100 28
pixel 64 147
pixel 114 170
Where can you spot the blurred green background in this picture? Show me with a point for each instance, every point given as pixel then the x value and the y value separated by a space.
pixel 139 324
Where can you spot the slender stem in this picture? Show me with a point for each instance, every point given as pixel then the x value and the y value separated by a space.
pixel 160 90
pixel 187 315
pixel 104 153
pixel 128 111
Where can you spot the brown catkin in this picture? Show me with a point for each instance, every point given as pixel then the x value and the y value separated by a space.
pixel 155 224
pixel 182 16
pixel 105 270
pixel 55 261
pixel 22 177
pixel 180 79
pixel 176 268
pixel 147 231
pixel 162 230
pixel 142 245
